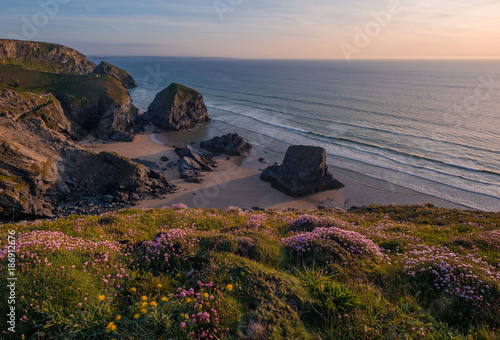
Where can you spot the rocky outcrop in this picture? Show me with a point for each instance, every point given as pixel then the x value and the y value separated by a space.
pixel 89 174
pixel 193 162
pixel 20 106
pixel 304 171
pixel 45 57
pixel 106 111
pixel 107 69
pixel 230 144
pixel 177 108
pixel 47 99
pixel 93 105
pixel 40 167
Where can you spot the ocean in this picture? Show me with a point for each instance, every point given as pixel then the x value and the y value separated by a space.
pixel 432 127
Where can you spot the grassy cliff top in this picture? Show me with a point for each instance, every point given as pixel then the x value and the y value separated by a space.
pixel 68 88
pixel 173 91
pixel 393 272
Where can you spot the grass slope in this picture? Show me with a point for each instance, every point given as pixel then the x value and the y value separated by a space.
pixel 395 272
pixel 70 89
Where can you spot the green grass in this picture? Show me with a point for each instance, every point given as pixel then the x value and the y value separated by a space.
pixel 143 274
pixel 70 89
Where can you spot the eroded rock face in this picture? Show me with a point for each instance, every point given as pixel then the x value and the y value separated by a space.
pixel 41 167
pixel 177 108
pixel 19 106
pixel 230 144
pixel 304 171
pixel 107 69
pixel 193 162
pixel 44 57
pixel 93 105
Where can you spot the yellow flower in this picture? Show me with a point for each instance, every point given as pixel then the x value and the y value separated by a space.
pixel 164 299
pixel 188 300
pixel 144 311
pixel 144 298
pixel 111 327
pixel 205 295
pixel 229 287
pixel 118 317
pixel 153 303
pixel 102 297
pixel 133 289
pixel 144 304
pixel 136 316
pixel 159 285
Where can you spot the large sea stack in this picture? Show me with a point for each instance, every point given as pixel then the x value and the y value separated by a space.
pixel 304 171
pixel 177 107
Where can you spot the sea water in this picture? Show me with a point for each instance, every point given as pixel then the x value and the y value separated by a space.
pixel 429 126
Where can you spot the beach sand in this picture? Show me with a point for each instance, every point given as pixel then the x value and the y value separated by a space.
pixel 236 182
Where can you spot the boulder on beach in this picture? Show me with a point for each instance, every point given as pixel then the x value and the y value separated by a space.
pixel 304 171
pixel 193 162
pixel 177 108
pixel 231 144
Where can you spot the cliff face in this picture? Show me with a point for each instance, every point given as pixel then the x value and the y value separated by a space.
pixel 44 57
pixel 93 105
pixel 177 108
pixel 48 99
pixel 41 167
pixel 122 76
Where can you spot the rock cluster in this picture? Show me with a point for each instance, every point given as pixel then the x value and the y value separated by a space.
pixel 304 171
pixel 193 162
pixel 177 108
pixel 231 144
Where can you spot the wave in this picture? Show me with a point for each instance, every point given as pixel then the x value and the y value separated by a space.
pixel 364 166
pixel 371 145
pixel 337 123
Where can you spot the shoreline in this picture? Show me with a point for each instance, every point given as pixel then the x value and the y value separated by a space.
pixel 236 180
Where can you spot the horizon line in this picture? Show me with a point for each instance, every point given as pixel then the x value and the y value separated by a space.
pixel 268 58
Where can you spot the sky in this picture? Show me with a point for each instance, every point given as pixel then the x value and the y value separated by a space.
pixel 295 29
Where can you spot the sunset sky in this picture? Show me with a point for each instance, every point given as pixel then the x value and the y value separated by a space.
pixel 261 28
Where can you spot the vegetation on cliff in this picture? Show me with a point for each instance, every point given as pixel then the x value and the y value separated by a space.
pixel 43 56
pixel 394 272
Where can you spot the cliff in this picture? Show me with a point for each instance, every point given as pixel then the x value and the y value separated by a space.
pixel 40 167
pixel 48 98
pixel 177 107
pixel 97 105
pixel 43 57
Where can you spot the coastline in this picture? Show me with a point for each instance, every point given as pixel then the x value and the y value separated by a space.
pixel 235 181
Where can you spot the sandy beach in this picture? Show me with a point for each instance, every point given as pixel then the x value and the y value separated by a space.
pixel 236 182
